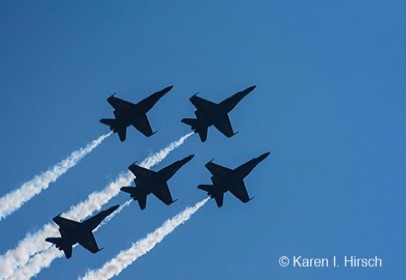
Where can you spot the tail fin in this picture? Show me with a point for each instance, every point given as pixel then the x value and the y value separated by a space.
pixel 116 126
pixel 207 188
pixel 218 196
pixel 67 249
pixel 197 127
pixel 134 193
pixel 191 122
pixel 110 122
pixel 131 190
pixel 55 240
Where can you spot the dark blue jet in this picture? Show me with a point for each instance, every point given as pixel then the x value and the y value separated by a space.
pixel 209 113
pixel 127 113
pixel 225 179
pixel 148 181
pixel 73 232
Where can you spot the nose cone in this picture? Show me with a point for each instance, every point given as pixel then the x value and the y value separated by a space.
pixel 188 158
pixel 112 209
pixel 263 156
pixel 248 90
pixel 165 90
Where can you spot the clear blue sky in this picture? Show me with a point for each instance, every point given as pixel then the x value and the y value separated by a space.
pixel 330 105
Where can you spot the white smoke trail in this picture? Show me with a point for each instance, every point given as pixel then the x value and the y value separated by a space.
pixel 45 258
pixel 141 247
pixel 115 213
pixel 15 199
pixel 34 243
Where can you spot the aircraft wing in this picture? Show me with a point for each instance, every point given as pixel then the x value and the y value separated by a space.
pixel 140 172
pixel 88 242
pixel 240 191
pixel 121 105
pixel 163 194
pixel 202 104
pixel 66 224
pixel 223 124
pixel 217 170
pixel 141 123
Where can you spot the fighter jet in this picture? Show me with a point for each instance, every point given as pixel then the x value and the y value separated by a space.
pixel 225 179
pixel 73 232
pixel 209 113
pixel 127 113
pixel 148 181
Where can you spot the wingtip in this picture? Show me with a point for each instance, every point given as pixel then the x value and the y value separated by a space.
pixel 57 215
pixel 209 162
pixel 152 133
pixel 249 199
pixel 134 163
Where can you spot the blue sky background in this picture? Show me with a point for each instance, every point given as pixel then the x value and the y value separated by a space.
pixel 329 104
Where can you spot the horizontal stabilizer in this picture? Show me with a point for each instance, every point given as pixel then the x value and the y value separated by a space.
pixel 117 127
pixel 197 127
pixel 142 201
pixel 109 122
pixel 219 199
pixel 130 190
pixel 134 193
pixel 203 134
pixel 207 188
pixel 59 244
pixel 55 240
pixel 190 121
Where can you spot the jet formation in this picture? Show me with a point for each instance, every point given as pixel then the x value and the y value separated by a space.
pixel 148 181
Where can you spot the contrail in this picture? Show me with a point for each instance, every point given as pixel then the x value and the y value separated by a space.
pixel 141 247
pixel 45 258
pixel 15 199
pixel 115 213
pixel 34 243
